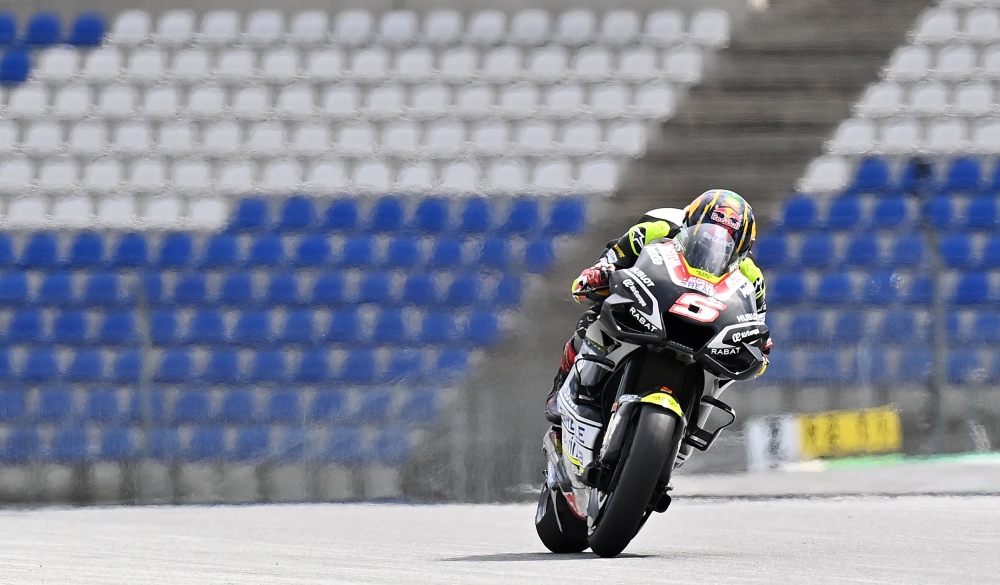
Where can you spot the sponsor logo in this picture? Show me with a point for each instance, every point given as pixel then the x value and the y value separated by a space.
pixel 628 398
pixel 727 215
pixel 702 286
pixel 746 318
pixel 739 336
pixel 635 291
pixel 642 277
pixel 670 256
pixel 654 255
pixel 641 319
pixel 724 350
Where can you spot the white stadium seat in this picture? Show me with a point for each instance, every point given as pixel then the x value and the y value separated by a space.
pixel 8 137
pixel 530 27
pixel 908 63
pixel 564 101
pixel 825 174
pixel 310 27
pixel 161 103
pixel 637 64
pixel 324 65
pixel 475 101
pixel 982 25
pixel 609 100
pixel 502 65
pixel 486 28
pixel 936 25
pixel 162 212
pixel 592 64
pixel 986 136
pixel 206 102
pixel 222 139
pixel 42 139
pixel 190 65
pixel 57 65
pixel 518 101
pixel 444 139
pixel 220 27
pixel 430 101
pixel 458 64
pixel 385 101
pixel 236 66
pixel 296 102
pixel 974 98
pixel 401 138
pixel 654 100
pixel 117 211
pixel 490 137
pixel 370 64
pixel 581 137
pixel 416 177
pixel 460 177
pixel 72 102
pixel 356 139
pixel 442 27
pixel 881 99
pixel 28 101
pixel 554 175
pixel 619 27
pixel 415 64
pixel 683 65
pixel 627 138
pixel 130 28
pixel 72 211
pixel 117 102
pixel 148 175
pixel 899 136
pixel 311 139
pixel 990 64
pixel 928 98
pixel 175 27
pixel 103 175
pixel 341 101
pixel 326 176
pixel 353 28
pixel 955 62
pixel 16 175
pixel 146 65
pixel 548 64
pixel 854 136
pixel 194 176
pixel 575 27
pixel 251 103
pixel 507 175
pixel 266 139
pixel 102 65
pixel 236 176
pixel 664 27
pixel 398 28
pixel 281 176
pixel 25 211
pixel 597 176
pixel 535 137
pixel 206 214
pixel 58 176
pixel 946 135
pixel 710 27
pixel 87 139
pixel 176 138
pixel 264 27
pixel 279 65
pixel 372 175
pixel 132 139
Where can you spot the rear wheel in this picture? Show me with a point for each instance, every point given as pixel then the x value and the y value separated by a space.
pixel 624 510
pixel 573 537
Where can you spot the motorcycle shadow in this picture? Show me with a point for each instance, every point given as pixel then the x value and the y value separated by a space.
pixel 535 556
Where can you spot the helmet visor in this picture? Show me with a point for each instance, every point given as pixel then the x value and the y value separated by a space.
pixel 708 247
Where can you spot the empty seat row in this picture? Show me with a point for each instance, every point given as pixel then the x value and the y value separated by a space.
pixel 942 25
pixel 964 174
pixel 46 28
pixel 31 101
pixel 399 28
pixel 880 289
pixel 928 98
pixel 905 135
pixel 850 212
pixel 241 67
pixel 888 328
pixel 235 406
pixel 952 62
pixel 249 328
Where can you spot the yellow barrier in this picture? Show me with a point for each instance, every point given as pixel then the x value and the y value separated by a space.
pixel 850 432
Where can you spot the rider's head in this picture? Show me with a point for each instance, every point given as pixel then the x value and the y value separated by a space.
pixel 727 209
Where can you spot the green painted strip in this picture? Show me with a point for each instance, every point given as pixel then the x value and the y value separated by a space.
pixel 898 459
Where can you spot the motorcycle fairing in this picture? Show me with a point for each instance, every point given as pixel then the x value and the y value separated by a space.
pixel 719 287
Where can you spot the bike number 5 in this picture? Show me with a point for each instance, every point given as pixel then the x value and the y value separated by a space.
pixel 697 307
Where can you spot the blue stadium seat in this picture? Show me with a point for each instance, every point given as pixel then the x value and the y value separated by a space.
pixel 6 372
pixel 954 330
pixel 292 445
pixel 86 250
pixel 237 407
pixel 386 215
pixel 835 289
pixel 390 327
pixel 284 407
pixel 297 214
pixel 251 215
pixel 419 289
pixel 191 289
pixel 313 251
pixel 40 251
pixel 13 405
pixel 128 367
pixel 982 214
pixel 973 288
pixel 223 367
pixel 341 216
pixel 889 213
pixel 102 406
pixel 782 367
pixel 193 406
pixel 918 176
pixel 452 363
pixel 69 445
pixel 8 28
pixel 476 216
pixel 985 328
pixel 164 444
pixel 881 289
pixel 23 446
pixel 6 250
pixel 328 289
pixel 345 326
pixel 870 366
pixel 464 290
pixel 252 444
pixel 266 251
pixel 482 329
pixel 405 364
pixel 103 288
pixel 437 328
pixel 962 365
pixel 522 218
pixel 87 366
pixel 206 443
pixel 56 288
pixel 359 367
pixel 328 406
pixel 403 252
pixel 771 251
pixel 786 289
pixel 508 291
pixel 69 328
pixel 806 328
pixel 26 326
pixel 344 446
pixel 176 251
pixel 863 250
pixel 539 255
pixel 991 254
pixel 132 252
pixel 375 287
pixel 163 327
pixel 908 250
pixel 41 365
pixel 252 328
pixel 421 406
pixel 14 288
pixel 43 28
pixel 392 446
pixel 358 252
pixel 117 444
pixel 817 250
pixel 175 366
pixel 956 250
pixel 844 213
pixel 920 291
pixel 872 176
pixel 268 366
pixel 799 214
pixel 447 253
pixel 237 289
pixel 298 327
pixel 822 366
pixel 568 216
pixel 964 176
pixel 55 405
pixel 494 253
pixel 282 289
pixel 314 367
pixel 431 215
pixel 88 30
pixel 206 327
pixel 14 66
pixel 220 251
pixel 374 406
pixel 940 211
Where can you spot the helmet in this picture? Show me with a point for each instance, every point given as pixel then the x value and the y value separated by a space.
pixel 726 209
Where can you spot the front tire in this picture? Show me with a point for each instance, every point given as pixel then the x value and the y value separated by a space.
pixel 627 504
pixel 547 525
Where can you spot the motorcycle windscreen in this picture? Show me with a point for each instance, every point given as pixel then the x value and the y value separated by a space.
pixel 708 247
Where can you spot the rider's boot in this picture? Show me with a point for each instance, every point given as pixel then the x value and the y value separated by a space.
pixel 552 401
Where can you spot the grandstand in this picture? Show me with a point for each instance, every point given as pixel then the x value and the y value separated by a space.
pixel 253 256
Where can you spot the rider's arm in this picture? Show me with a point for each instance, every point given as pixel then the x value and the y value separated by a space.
pixel 623 252
pixel 754 275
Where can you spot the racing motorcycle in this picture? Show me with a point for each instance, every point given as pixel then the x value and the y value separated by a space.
pixel 673 332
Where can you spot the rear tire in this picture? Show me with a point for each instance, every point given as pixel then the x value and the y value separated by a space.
pixel 627 504
pixel 547 525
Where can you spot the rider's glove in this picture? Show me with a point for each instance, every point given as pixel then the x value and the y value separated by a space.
pixel 767 347
pixel 596 276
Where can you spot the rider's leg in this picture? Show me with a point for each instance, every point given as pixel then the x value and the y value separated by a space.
pixel 570 350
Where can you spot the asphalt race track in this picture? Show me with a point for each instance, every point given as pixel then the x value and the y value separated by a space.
pixel 904 540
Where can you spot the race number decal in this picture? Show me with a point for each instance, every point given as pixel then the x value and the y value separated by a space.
pixel 697 307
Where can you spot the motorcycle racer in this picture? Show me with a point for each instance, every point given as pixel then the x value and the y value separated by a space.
pixel 716 206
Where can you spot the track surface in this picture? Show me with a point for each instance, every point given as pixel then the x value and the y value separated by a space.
pixel 865 540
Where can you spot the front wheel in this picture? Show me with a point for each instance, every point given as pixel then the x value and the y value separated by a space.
pixel 572 538
pixel 627 504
